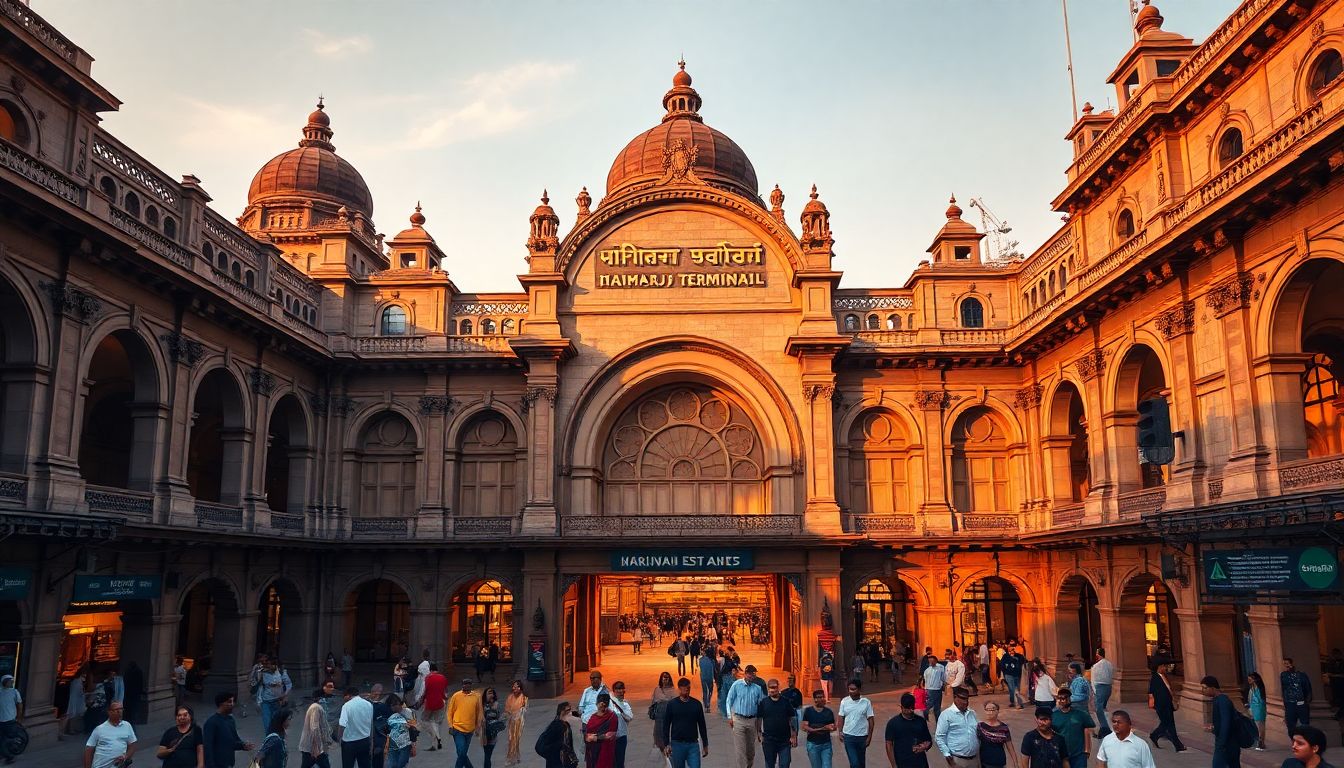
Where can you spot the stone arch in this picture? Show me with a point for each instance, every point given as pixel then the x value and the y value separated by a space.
pixel 377 619
pixel 120 426
pixel 385 464
pixel 1304 94
pixel 1136 610
pixel 290 454
pixel 880 461
pixel 1140 372
pixel 464 414
pixel 490 460
pixel 1065 443
pixel 846 418
pixel 361 419
pixel 1301 357
pixel 988 607
pixel 985 451
pixel 684 358
pixel 1235 120
pixel 22 346
pixel 27 128
pixel 884 614
pixel 208 632
pixel 281 620
pixel 380 309
pixel 219 436
pixel 1026 593
pixel 1078 625
pixel 496 621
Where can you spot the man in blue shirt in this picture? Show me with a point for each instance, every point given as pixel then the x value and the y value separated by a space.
pixel 1010 667
pixel 744 697
pixel 935 677
pixel 1226 748
pixel 1296 688
pixel 1080 691
pixel 956 733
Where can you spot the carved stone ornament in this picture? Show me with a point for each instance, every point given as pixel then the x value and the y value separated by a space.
pixel 1092 364
pixel 437 404
pixel 182 350
pixel 1028 397
pixel 533 394
pixel 263 383
pixel 932 399
pixel 1233 293
pixel 679 159
pixel 72 302
pixel 826 622
pixel 538 618
pixel 340 405
pixel 813 391
pixel 796 579
pixel 1177 321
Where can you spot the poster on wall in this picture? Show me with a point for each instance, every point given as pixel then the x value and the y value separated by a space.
pixel 536 659
pixel 9 657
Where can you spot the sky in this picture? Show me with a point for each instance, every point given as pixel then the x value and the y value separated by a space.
pixel 473 108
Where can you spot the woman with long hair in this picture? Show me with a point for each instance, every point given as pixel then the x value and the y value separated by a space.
pixel 182 745
pixel 1255 703
pixel 1045 689
pixel 996 740
pixel 600 735
pixel 515 711
pixel 556 743
pixel 665 692
pixel 274 753
pixel 494 722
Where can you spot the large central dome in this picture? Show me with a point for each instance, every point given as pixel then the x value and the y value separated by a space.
pixel 713 157
pixel 312 171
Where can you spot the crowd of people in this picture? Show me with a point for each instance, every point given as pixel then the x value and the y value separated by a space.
pixel 751 627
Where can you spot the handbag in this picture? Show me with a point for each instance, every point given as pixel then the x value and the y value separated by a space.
pixel 495 727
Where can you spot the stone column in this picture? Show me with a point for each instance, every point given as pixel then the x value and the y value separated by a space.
pixel 543 358
pixel 1280 632
pixel 1207 648
pixel 58 485
pixel 540 593
pixel 1123 627
pixel 178 504
pixel 1229 301
pixel 821 515
pixel 822 582
pixel 937 508
pixel 1278 383
pixel 1187 470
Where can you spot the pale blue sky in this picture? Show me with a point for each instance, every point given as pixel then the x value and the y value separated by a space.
pixel 474 107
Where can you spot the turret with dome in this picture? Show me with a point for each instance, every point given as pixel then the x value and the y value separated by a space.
pixel 683 137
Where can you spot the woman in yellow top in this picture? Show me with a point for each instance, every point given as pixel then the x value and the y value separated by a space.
pixel 515 708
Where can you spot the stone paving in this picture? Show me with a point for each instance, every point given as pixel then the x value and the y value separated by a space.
pixel 640 673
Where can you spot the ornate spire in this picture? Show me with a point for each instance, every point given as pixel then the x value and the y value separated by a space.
pixel 953 210
pixel 544 225
pixel 777 204
pixel 417 218
pixel 317 133
pixel 1147 19
pixel 682 101
pixel 816 220
pixel 583 200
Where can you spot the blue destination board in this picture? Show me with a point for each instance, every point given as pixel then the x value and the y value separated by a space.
pixel 687 559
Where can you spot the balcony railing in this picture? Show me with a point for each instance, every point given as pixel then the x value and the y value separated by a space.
pixel 673 526
pixel 38 172
pixel 881 523
pixel 211 515
pixel 284 522
pixel 1065 516
pixel 482 526
pixel 974 336
pixel 380 528
pixel 1137 504
pixel 40 29
pixel 481 343
pixel 885 338
pixel 119 501
pixel 1312 473
pixel 1122 254
pixel 389 344
pixel 13 489
pixel 983 522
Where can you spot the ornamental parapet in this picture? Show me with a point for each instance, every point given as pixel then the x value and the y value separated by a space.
pixel 881 524
pixel 672 527
pixel 978 522
pixel 13 490
pixel 1067 516
pixel 43 175
pixel 211 515
pixel 493 345
pixel 1312 473
pixel 119 501
pixel 1134 505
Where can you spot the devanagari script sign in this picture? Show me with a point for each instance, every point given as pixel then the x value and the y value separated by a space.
pixel 717 266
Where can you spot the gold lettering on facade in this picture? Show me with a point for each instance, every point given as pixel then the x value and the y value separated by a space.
pixel 719 266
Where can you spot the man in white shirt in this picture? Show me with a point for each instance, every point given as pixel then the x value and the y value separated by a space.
pixel 856 725
pixel 956 734
pixel 354 730
pixel 588 701
pixel 1103 674
pixel 180 681
pixel 112 743
pixel 1121 748
pixel 956 670
pixel 624 714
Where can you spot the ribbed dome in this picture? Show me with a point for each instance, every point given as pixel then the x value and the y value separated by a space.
pixel 716 159
pixel 313 170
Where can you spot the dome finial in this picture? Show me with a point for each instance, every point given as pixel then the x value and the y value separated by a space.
pixel 1147 19
pixel 953 210
pixel 682 100
pixel 545 197
pixel 584 200
pixel 417 218
pixel 317 133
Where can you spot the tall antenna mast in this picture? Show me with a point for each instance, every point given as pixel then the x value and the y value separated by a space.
pixel 1068 49
pixel 1133 11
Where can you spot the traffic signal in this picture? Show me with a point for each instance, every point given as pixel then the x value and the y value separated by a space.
pixel 1156 444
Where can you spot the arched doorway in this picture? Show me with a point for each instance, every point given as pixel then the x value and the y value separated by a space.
pixel 880 465
pixel 884 614
pixel 98 636
pixel 378 621
pixel 119 431
pixel 1079 619
pixel 988 612
pixel 1066 447
pixel 482 617
pixel 288 458
pixel 208 637
pixel 281 632
pixel 215 452
pixel 1141 378
pixel 18 357
pixel 488 478
pixel 1308 329
pixel 1149 631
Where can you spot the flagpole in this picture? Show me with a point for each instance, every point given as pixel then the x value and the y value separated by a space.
pixel 1068 49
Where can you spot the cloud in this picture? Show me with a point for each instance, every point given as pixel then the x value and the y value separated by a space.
pixel 205 125
pixel 492 102
pixel 337 47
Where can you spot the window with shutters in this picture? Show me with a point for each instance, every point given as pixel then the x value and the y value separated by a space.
pixel 980 463
pixel 488 478
pixel 387 468
pixel 879 465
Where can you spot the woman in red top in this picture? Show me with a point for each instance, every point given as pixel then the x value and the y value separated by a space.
pixel 600 735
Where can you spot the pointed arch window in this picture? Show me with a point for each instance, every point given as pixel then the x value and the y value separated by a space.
pixel 394 321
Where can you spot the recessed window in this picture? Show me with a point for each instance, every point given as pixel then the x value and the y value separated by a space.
pixel 152 216
pixel 874 324
pixel 108 187
pixel 1325 70
pixel 13 127
pixel 170 227
pixel 487 326
pixel 1124 225
pixel 972 314
pixel 1229 146
pixel 961 252
pixel 507 326
pixel 466 328
pixel 851 323
pixel 132 204
pixel 1131 84
pixel 408 261
pixel 394 321
pixel 893 322
pixel 1167 67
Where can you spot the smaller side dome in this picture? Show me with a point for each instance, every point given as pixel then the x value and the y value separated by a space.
pixel 416 232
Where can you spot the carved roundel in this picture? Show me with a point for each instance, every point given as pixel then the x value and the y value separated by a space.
pixel 683 433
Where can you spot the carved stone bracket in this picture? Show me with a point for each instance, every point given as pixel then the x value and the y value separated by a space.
pixel 533 394
pixel 1177 321
pixel 1028 397
pixel 340 405
pixel 183 350
pixel 933 399
pixel 1234 293
pixel 436 404
pixel 1092 364
pixel 813 391
pixel 72 302
pixel 263 383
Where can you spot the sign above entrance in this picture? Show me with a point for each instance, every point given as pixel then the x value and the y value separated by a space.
pixel 1296 569
pixel 688 559
pixel 718 266
pixel 89 588
pixel 14 583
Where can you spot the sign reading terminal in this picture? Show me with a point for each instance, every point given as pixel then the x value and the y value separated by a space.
pixel 694 559
pixel 718 266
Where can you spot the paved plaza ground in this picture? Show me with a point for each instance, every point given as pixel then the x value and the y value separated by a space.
pixel 640 673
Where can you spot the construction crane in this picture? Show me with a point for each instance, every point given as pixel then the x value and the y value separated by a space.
pixel 1001 246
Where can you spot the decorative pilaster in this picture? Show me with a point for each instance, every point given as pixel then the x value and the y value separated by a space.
pixel 1028 397
pixel 437 405
pixel 182 349
pixel 69 301
pixel 533 394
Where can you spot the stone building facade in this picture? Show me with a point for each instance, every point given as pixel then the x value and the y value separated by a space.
pixel 291 433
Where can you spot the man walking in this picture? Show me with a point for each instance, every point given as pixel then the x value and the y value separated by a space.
pixel 956 732
pixel 347 666
pixel 777 719
pixel 743 699
pixel 907 737
pixel 273 691
pixel 220 734
pixel 588 700
pixel 355 729
pixel 112 742
pixel 1080 691
pixel 956 670
pixel 1075 725
pixel 433 703
pixel 378 735
pixel 856 725
pixel 1296 688
pixel 11 713
pixel 1121 748
pixel 1226 748
pixel 683 723
pixel 624 714
pixel 1010 667
pixel 1103 673
pixel 466 717
pixel 935 677
pixel 679 650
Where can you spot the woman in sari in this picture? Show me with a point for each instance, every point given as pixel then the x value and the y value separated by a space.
pixel 600 735
pixel 664 693
pixel 515 708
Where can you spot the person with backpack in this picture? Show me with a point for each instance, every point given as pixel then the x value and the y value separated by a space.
pixel 1226 725
pixel 274 753
pixel 401 734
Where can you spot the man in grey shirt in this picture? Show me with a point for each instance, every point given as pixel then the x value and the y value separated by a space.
pixel 1103 674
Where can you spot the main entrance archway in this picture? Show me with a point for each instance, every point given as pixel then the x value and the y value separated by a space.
pixel 377 621
pixel 884 614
